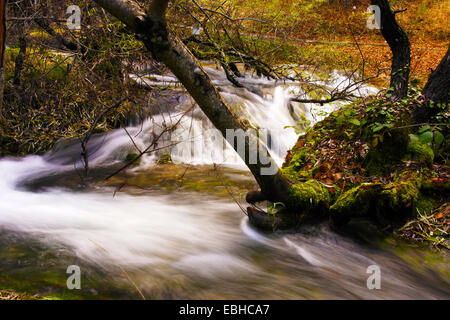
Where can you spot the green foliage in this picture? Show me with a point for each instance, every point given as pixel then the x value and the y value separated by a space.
pixel 272 210
pixel 165 159
pixel 419 151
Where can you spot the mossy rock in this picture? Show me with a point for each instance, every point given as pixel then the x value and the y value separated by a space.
pixel 386 154
pixel 298 160
pixel 356 202
pixel 421 152
pixel 310 199
pixel 386 204
pixel 425 204
pixel 398 201
pixel 165 159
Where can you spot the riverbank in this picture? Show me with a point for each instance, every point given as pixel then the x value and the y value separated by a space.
pixel 366 160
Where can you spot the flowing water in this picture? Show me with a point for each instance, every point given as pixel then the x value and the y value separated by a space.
pixel 182 244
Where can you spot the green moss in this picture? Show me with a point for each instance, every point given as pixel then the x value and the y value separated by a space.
pixel 133 157
pixel 387 203
pixel 310 199
pixel 165 159
pixel 355 202
pixel 418 151
pixel 384 155
pixel 39 63
pixel 300 157
pixel 397 196
pixel 426 204
pixel 399 199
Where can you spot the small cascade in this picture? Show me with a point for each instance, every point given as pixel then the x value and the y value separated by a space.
pixel 266 104
pixel 179 244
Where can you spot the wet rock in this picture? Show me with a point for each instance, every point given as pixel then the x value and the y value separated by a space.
pixel 262 220
pixel 256 90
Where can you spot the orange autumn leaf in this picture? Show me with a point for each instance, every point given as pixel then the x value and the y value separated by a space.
pixel 439 215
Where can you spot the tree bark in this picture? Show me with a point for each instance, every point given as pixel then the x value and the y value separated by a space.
pixel 2 54
pixel 437 90
pixel 63 43
pixel 401 51
pixel 19 60
pixel 166 47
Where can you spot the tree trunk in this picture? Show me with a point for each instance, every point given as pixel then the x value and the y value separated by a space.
pixel 437 90
pixel 399 43
pixel 19 60
pixel 165 46
pixel 2 54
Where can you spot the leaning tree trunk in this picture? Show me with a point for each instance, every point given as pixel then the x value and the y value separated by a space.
pixel 401 52
pixel 436 90
pixel 166 47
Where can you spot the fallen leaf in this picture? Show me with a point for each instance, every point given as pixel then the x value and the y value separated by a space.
pixel 337 176
pixel 439 215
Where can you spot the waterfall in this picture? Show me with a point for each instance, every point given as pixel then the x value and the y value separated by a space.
pixel 194 140
pixel 182 244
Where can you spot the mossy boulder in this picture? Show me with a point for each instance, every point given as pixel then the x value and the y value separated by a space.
pixel 388 152
pixel 165 159
pixel 356 202
pixel 421 152
pixel 361 162
pixel 311 199
pixel 385 203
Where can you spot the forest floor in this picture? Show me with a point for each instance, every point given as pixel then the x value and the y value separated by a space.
pixel 339 27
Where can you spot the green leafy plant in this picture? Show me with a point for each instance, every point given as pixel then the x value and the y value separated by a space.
pixel 273 209
pixel 431 136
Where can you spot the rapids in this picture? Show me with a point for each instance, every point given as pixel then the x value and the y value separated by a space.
pixel 189 245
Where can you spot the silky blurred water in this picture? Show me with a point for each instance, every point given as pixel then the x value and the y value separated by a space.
pixel 187 245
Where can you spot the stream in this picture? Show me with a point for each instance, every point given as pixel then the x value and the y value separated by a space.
pixel 160 238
